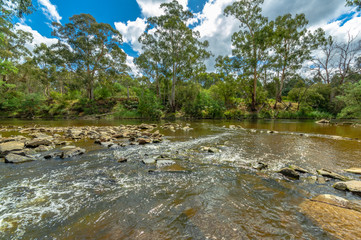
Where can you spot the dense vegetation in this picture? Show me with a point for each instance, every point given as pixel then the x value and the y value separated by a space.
pixel 85 73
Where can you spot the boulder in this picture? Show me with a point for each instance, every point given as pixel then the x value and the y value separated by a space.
pixel 354 170
pixel 337 216
pixel 352 186
pixel 290 173
pixel 7 147
pixel 143 141
pixel 72 152
pixel 330 174
pixel 298 169
pixel 15 158
pixel 38 142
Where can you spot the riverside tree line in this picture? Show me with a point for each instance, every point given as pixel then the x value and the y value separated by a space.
pixel 85 72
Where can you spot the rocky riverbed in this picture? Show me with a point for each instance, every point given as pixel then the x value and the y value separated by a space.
pixel 193 179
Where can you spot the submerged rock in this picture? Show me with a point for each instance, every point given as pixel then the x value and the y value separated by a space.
pixel 122 160
pixel 330 174
pixel 260 166
pixel 143 141
pixel 339 217
pixel 72 153
pixel 163 163
pixel 149 161
pixel 290 173
pixel 15 158
pixel 352 186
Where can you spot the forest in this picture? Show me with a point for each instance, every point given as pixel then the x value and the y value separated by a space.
pixel 278 69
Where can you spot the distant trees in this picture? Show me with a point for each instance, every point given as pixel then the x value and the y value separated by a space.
pixel 90 48
pixel 172 48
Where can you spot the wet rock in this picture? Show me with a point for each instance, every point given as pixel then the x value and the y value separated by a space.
pixel 298 169
pixel 339 217
pixel 164 163
pixel 354 170
pixel 210 149
pixel 149 161
pixel 15 158
pixel 122 160
pixel 107 144
pixel 330 174
pixel 321 180
pixel 143 141
pixel 260 166
pixel 43 148
pixel 352 186
pixel 323 121
pixel 174 168
pixel 290 173
pixel 52 155
pixel 8 147
pixel 312 179
pixel 72 153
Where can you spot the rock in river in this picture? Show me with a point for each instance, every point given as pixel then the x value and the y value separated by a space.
pixel 290 173
pixel 330 174
pixel 7 147
pixel 38 142
pixel 163 163
pixel 339 217
pixel 15 158
pixel 352 186
pixel 354 170
pixel 72 152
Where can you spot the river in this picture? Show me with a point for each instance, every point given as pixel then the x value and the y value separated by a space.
pixel 218 196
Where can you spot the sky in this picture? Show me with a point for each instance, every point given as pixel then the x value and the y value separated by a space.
pixel 129 18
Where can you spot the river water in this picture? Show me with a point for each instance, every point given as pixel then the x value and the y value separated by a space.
pixel 218 196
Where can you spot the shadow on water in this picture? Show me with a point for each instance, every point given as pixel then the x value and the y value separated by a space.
pixel 220 196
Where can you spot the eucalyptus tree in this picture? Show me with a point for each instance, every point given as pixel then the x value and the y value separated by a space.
pixel 354 3
pixel 171 44
pixel 291 46
pixel 90 48
pixel 251 43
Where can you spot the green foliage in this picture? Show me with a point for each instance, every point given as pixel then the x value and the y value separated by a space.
pixel 120 111
pixel 352 101
pixel 149 105
pixel 204 106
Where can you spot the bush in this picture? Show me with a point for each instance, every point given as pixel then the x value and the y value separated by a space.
pixel 149 105
pixel 352 101
pixel 204 106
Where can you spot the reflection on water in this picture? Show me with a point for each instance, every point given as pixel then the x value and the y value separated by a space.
pixel 220 196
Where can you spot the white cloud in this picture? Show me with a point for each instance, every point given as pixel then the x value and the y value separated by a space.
pixel 131 31
pixel 218 29
pixel 38 38
pixel 132 66
pixel 50 10
pixel 152 8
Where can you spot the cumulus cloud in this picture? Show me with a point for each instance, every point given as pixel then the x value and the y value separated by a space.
pixel 38 38
pixel 131 31
pixel 152 8
pixel 218 29
pixel 50 10
pixel 133 68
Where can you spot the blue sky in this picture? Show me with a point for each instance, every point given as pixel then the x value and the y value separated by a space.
pixel 129 17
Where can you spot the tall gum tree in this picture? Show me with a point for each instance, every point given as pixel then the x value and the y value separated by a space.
pixel 90 48
pixel 252 41
pixel 291 46
pixel 170 43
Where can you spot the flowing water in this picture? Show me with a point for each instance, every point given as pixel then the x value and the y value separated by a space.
pixel 219 196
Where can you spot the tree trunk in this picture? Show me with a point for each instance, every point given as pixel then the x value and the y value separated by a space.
pixel 254 93
pixel 173 107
